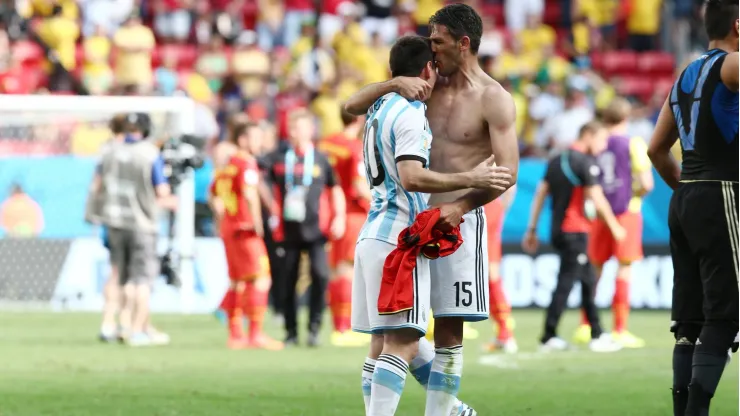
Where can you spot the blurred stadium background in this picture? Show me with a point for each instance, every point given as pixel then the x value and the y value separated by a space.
pixel 562 60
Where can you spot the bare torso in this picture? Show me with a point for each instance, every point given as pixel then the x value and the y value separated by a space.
pixel 461 139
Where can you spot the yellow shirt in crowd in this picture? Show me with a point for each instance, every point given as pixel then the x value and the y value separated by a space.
pixel 326 108
pixel 511 65
pixel 644 17
pixel 600 12
pixel 425 9
pixel 97 51
pixel 134 67
pixel 250 66
pixel 533 40
pixel 558 68
pixel 43 8
pixel 60 34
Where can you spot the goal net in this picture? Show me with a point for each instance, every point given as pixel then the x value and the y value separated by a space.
pixel 49 148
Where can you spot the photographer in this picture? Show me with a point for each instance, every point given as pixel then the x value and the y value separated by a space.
pixel 131 187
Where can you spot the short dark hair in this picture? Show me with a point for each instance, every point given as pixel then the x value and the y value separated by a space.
pixel 409 56
pixel 118 124
pixel 461 20
pixel 719 18
pixel 590 128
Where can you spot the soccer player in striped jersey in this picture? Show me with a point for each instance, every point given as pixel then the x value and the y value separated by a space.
pixel 396 153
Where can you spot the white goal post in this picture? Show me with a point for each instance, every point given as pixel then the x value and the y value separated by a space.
pixel 171 116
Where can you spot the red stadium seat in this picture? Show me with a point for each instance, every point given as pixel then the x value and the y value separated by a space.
pixel 656 63
pixel 619 63
pixel 80 55
pixel 27 52
pixel 182 77
pixel 663 85
pixel 635 86
pixel 185 55
pixel 494 9
pixel 597 61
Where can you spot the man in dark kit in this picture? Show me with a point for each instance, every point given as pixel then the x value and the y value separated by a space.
pixel 571 179
pixel 702 111
pixel 303 185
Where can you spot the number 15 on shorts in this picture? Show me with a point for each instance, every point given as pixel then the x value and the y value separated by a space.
pixel 463 294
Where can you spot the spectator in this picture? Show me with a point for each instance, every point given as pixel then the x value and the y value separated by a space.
pixel 292 97
pixel 60 34
pixel 515 62
pixel 561 130
pixel 213 63
pixel 97 75
pixel 165 76
pixel 326 106
pixel 520 103
pixel 492 41
pixel 5 56
pixel 297 12
pixel 203 26
pixel 251 65
pixel 583 37
pixel 379 18
pixel 270 24
pixel 305 42
pixel 334 16
pixel 536 35
pixel 106 13
pixel 230 23
pixel 603 14
pixel 316 68
pixel 300 177
pixel 548 103
pixel 20 215
pixel 640 124
pixel 422 12
pixel 643 24
pixel 380 50
pixel 516 12
pixel 134 43
pixel 552 66
pixel 172 19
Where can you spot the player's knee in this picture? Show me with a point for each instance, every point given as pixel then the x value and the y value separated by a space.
pixel 493 271
pixel 376 346
pixel 685 331
pixel 448 332
pixel 403 342
pixel 718 336
pixel 623 270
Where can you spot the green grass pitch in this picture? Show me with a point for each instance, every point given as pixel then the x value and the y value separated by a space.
pixel 51 364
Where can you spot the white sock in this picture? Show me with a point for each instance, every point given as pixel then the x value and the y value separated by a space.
pixel 367 381
pixel 388 381
pixel 444 381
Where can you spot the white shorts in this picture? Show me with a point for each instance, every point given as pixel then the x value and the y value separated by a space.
pixel 370 256
pixel 460 280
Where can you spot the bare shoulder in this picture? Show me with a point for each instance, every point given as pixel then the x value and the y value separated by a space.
pixel 497 104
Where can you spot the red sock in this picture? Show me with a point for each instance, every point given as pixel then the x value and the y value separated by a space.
pixel 500 309
pixel 234 313
pixel 340 303
pixel 621 305
pixel 584 318
pixel 255 300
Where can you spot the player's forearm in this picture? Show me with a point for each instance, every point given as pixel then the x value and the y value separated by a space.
pixel 427 181
pixel 603 209
pixel 266 197
pixel 255 207
pixel 667 167
pixel 339 203
pixel 360 101
pixel 537 204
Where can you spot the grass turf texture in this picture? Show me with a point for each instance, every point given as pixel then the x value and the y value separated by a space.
pixel 51 364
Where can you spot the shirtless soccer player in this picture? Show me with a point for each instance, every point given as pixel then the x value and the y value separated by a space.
pixel 471 117
pixel 396 154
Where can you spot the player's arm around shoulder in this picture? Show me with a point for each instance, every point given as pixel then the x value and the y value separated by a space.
pixel 411 88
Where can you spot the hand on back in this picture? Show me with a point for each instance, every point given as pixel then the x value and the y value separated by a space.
pixel 413 88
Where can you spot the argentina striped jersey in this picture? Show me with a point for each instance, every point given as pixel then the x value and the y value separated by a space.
pixel 396 130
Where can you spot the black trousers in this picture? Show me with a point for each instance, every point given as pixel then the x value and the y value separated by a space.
pixel 319 279
pixel 574 266
pixel 703 222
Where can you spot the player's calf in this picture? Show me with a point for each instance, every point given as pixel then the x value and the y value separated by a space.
pixel 683 355
pixel 710 358
pixel 389 378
